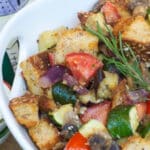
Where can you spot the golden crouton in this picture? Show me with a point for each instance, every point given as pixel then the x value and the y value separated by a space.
pixel 122 10
pixel 46 104
pixel 118 94
pixel 75 40
pixel 33 68
pixel 48 39
pixel 44 135
pixel 25 109
pixel 90 19
pixel 136 143
pixel 136 32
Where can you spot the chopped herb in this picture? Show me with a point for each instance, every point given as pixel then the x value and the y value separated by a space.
pixel 128 66
pixel 148 11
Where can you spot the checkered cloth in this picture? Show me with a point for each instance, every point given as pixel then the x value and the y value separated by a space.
pixel 10 6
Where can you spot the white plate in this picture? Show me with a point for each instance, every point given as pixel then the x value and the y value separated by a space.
pixel 27 25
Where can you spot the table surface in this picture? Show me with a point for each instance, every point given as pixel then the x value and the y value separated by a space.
pixel 10 144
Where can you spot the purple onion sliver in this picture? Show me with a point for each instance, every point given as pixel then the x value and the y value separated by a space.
pixel 69 80
pixel 72 82
pixel 137 95
pixel 81 90
pixel 53 75
pixel 44 82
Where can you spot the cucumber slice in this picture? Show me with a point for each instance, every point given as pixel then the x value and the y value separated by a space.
pixel 58 116
pixel 88 97
pixel 92 127
pixel 144 130
pixel 63 94
pixel 122 121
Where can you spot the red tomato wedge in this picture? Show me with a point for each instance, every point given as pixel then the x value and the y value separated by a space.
pixel 98 112
pixel 141 108
pixel 148 106
pixel 83 66
pixel 77 142
pixel 110 12
pixel 51 59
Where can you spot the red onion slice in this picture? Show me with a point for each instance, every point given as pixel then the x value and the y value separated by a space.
pixel 69 80
pixel 72 82
pixel 53 75
pixel 137 95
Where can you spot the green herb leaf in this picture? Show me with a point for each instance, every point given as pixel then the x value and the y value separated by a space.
pixel 148 11
pixel 128 66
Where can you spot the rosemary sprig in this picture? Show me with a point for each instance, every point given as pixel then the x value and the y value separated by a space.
pixel 121 61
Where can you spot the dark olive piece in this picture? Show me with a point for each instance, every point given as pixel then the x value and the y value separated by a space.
pixel 115 146
pixel 98 142
pixel 68 130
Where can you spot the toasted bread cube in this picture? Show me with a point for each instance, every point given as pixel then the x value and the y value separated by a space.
pixel 90 19
pixel 48 39
pixel 123 10
pixel 134 29
pixel 33 68
pixel 46 104
pixel 136 143
pixel 75 40
pixel 136 32
pixel 44 135
pixel 25 109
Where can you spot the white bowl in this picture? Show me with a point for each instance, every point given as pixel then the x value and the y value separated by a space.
pixel 4 132
pixel 26 25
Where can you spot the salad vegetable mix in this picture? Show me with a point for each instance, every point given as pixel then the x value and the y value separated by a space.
pixel 88 87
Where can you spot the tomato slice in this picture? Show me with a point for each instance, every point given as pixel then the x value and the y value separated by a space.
pixel 51 59
pixel 148 106
pixel 77 142
pixel 110 12
pixel 98 112
pixel 141 108
pixel 83 66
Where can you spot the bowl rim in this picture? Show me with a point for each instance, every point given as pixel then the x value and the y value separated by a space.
pixel 6 113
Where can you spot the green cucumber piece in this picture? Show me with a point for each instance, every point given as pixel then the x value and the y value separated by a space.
pixel 59 115
pixel 92 127
pixel 144 130
pixel 122 121
pixel 63 94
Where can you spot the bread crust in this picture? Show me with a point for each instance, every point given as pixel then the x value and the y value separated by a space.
pixel 136 32
pixel 136 143
pixel 75 40
pixel 33 68
pixel 44 134
pixel 46 104
pixel 25 109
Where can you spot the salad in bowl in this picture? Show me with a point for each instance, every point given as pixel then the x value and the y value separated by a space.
pixel 88 87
